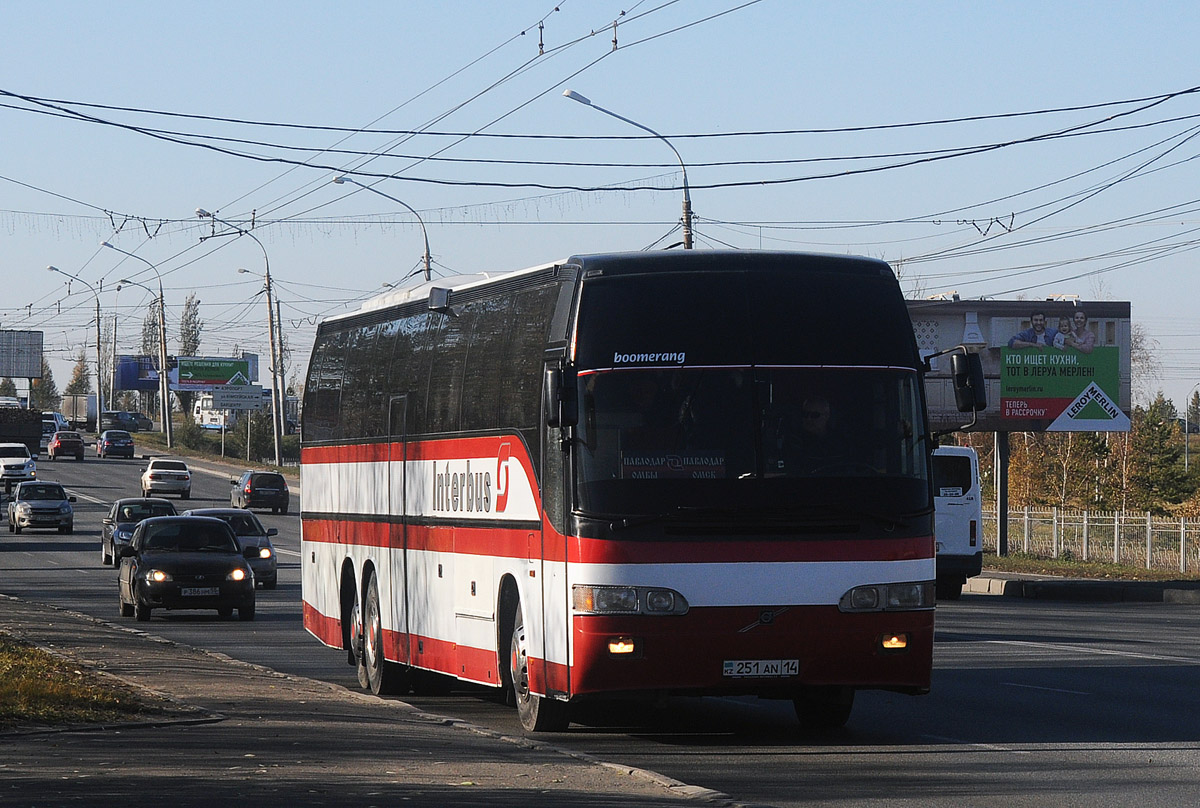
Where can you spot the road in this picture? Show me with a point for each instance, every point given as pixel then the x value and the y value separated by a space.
pixel 1041 703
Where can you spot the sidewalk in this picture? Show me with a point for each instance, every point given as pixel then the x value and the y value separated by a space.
pixel 236 731
pixel 1049 587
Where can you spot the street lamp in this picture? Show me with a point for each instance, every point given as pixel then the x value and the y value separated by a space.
pixel 164 382
pixel 687 197
pixel 276 400
pixel 99 367
pixel 344 179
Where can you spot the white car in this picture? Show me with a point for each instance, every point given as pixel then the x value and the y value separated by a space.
pixel 167 476
pixel 16 463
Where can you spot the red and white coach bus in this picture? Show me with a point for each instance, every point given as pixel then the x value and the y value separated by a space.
pixel 626 475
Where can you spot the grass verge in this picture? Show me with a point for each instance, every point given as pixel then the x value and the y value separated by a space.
pixel 1075 568
pixel 38 689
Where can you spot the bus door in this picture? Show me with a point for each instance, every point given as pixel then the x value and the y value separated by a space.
pixel 397 525
pixel 548 556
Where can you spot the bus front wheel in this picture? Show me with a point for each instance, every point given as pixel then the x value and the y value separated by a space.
pixel 824 707
pixel 536 713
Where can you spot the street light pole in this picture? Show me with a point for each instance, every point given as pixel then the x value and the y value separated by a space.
pixel 99 362
pixel 344 179
pixel 275 360
pixel 164 381
pixel 687 197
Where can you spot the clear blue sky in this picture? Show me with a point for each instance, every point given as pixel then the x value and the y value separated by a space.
pixel 781 111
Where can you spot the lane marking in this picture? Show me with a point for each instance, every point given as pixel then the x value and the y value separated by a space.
pixel 1047 689
pixel 990 747
pixel 1095 651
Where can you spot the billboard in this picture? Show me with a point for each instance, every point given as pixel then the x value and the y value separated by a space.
pixel 1055 365
pixel 186 373
pixel 21 354
pixel 201 373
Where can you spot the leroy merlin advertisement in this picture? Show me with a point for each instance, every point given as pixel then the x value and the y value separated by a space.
pixel 1056 364
pixel 1076 392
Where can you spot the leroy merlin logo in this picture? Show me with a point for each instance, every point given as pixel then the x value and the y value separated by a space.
pixel 1091 410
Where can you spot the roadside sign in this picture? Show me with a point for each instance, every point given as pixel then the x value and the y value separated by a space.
pixel 198 373
pixel 238 397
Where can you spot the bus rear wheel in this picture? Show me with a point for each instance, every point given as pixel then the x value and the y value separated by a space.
pixel 536 713
pixel 824 707
pixel 383 677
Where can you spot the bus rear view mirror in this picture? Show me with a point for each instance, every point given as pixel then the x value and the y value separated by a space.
pixel 558 398
pixel 970 394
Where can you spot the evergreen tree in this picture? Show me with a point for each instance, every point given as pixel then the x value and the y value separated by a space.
pixel 1156 479
pixel 43 392
pixel 8 387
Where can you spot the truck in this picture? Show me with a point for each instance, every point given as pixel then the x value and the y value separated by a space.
pixel 19 425
pixel 80 410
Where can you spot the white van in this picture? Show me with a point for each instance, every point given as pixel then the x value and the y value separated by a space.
pixel 958 518
pixel 52 422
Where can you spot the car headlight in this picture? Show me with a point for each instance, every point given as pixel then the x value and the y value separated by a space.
pixel 24 508
pixel 627 600
pixel 899 597
pixel 65 508
pixel 264 552
pixel 123 535
pixel 238 574
pixel 157 576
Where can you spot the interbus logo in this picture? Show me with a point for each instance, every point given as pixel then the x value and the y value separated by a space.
pixel 457 488
pixel 675 357
pixel 460 487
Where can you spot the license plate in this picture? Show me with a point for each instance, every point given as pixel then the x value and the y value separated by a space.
pixel 199 591
pixel 762 667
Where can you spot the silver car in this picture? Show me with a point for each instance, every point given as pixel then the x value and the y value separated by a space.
pixel 40 504
pixel 166 476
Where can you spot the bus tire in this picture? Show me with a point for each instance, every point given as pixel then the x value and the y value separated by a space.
pixel 536 713
pixel 384 678
pixel 823 707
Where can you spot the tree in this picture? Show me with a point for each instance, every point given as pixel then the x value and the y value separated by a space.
pixel 81 378
pixel 190 328
pixel 1156 479
pixel 151 341
pixel 43 392
pixel 8 387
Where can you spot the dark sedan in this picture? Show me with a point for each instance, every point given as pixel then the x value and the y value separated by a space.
pixel 185 562
pixel 260 489
pixel 251 535
pixel 69 444
pixel 118 525
pixel 114 443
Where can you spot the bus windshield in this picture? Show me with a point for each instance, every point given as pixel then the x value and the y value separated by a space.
pixel 778 438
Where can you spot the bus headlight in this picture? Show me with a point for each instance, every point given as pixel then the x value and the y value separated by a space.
pixel 626 600
pixel 901 597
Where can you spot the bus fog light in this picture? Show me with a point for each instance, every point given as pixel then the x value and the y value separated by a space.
pixel 894 642
pixel 623 646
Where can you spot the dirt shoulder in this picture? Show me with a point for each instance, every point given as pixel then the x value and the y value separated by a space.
pixel 231 730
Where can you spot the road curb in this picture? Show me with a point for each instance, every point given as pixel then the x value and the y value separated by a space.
pixel 1088 591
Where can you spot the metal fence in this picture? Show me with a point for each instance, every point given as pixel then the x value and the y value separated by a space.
pixel 1132 539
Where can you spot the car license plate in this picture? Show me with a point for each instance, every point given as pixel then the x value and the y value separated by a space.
pixel 762 667
pixel 199 591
